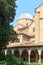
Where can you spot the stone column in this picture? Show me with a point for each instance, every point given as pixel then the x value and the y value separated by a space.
pixel 12 51
pixel 29 56
pixel 6 52
pixel 20 55
pixel 39 56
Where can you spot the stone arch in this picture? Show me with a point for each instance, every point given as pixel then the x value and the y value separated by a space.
pixel 34 56
pixel 42 56
pixel 9 51
pixel 17 54
pixel 24 55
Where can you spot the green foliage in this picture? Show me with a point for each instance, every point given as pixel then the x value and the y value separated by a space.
pixel 7 14
pixel 11 60
pixel 7 10
pixel 2 57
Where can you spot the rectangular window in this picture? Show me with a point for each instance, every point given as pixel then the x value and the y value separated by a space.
pixel 33 29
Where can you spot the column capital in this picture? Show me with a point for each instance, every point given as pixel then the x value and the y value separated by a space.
pixel 39 51
pixel 29 52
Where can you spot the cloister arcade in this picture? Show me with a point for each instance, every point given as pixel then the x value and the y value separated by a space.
pixel 24 55
pixel 33 55
pixel 17 54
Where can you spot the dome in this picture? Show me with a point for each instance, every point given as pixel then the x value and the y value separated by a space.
pixel 25 16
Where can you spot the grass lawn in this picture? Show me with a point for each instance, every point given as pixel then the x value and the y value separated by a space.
pixel 22 63
pixel 3 63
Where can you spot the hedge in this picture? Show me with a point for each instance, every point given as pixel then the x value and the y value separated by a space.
pixel 20 63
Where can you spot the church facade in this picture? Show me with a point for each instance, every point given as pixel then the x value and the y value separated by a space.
pixel 29 30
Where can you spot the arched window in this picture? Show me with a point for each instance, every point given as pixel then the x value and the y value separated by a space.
pixel 24 55
pixel 9 52
pixel 17 54
pixel 34 56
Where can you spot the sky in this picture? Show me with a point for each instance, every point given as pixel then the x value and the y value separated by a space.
pixel 26 6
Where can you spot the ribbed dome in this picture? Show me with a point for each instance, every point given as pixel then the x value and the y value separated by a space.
pixel 25 16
